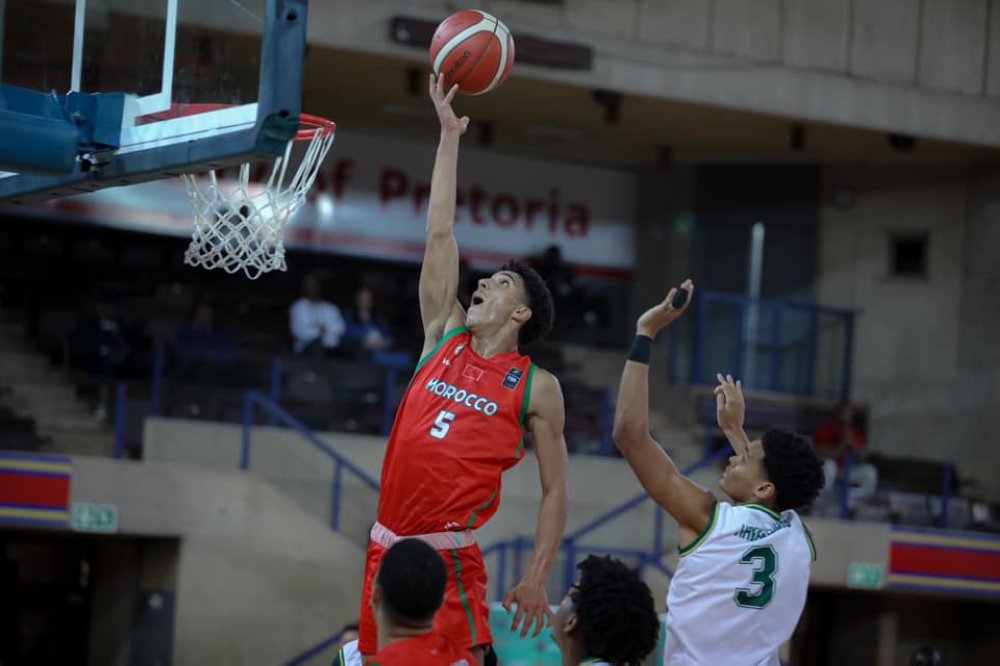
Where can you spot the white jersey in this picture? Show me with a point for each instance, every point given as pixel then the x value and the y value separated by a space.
pixel 739 588
pixel 348 655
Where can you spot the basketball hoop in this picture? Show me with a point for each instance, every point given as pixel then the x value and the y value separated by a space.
pixel 240 226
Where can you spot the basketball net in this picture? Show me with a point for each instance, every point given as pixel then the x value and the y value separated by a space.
pixel 241 226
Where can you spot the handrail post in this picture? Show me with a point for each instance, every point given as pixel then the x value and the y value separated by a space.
pixel 606 422
pixel 845 491
pixel 845 390
pixel 568 572
pixel 774 380
pixel 811 344
pixel 945 495
pixel 120 406
pixel 156 387
pixel 501 569
pixel 698 344
pixel 248 399
pixel 335 497
pixel 275 394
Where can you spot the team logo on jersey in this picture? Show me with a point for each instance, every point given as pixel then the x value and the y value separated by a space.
pixel 513 378
pixel 472 372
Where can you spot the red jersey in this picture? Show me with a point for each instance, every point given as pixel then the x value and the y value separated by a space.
pixel 427 650
pixel 459 426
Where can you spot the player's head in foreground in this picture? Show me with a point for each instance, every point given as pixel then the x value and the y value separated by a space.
pixel 514 298
pixel 780 471
pixel 408 589
pixel 608 614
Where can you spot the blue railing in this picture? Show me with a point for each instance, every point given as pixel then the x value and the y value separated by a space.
pixel 392 363
pixel 773 344
pixel 253 399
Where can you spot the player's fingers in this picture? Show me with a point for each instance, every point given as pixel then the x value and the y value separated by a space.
pixel 451 94
pixel 739 385
pixel 517 618
pixel 729 379
pixel 529 618
pixel 508 601
pixel 720 400
pixel 670 296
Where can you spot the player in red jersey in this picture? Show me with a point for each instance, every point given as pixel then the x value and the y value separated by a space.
pixel 462 422
pixel 408 591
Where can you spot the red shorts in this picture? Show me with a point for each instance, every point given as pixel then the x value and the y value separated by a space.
pixel 464 616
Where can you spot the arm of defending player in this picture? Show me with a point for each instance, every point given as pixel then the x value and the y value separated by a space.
pixel 439 272
pixel 689 504
pixel 730 409
pixel 546 418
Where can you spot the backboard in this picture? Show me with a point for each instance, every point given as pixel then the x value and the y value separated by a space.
pixel 207 83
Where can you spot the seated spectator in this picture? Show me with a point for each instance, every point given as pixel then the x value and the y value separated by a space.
pixel 366 330
pixel 316 325
pixel 347 647
pixel 201 339
pixel 98 345
pixel 838 437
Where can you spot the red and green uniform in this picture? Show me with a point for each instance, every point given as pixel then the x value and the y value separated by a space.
pixel 458 428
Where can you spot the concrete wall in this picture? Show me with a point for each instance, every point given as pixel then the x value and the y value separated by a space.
pixel 851 62
pixel 925 356
pixel 258 580
pixel 595 486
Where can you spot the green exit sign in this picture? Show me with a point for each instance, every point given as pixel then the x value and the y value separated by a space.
pixel 865 576
pixel 94 518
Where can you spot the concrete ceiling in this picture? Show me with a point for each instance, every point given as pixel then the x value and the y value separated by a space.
pixel 528 116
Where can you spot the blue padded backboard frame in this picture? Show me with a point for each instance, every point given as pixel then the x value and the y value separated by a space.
pixel 278 107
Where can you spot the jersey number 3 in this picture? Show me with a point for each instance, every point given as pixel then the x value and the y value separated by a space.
pixel 442 424
pixel 764 561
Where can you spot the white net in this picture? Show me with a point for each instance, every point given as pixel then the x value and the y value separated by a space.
pixel 241 226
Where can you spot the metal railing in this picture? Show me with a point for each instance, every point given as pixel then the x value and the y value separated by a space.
pixel 774 344
pixel 254 399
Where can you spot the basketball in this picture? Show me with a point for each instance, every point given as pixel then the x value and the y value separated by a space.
pixel 474 50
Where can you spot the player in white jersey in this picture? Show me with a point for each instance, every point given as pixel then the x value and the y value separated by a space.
pixel 607 618
pixel 741 584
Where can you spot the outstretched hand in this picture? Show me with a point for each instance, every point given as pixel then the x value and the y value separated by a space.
pixel 442 104
pixel 729 404
pixel 658 317
pixel 532 608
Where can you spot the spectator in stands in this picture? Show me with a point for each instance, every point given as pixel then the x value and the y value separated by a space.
pixel 202 339
pixel 838 437
pixel 607 617
pixel 366 330
pixel 98 345
pixel 315 323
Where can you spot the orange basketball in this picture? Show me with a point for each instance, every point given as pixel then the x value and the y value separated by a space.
pixel 474 50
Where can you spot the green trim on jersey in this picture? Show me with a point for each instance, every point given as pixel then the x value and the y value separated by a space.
pixel 462 596
pixel 809 538
pixel 761 507
pixel 524 409
pixel 698 540
pixel 472 518
pixel 447 336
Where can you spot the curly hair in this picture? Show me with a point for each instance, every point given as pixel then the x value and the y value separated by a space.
pixel 615 610
pixel 792 465
pixel 538 298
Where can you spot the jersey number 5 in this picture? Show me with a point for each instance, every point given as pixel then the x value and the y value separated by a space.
pixel 442 424
pixel 764 561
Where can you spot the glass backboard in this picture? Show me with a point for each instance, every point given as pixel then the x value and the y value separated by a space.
pixel 209 83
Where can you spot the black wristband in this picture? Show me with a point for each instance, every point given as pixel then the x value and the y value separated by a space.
pixel 641 347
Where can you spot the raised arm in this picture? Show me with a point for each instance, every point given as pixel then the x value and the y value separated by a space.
pixel 546 418
pixel 439 272
pixel 689 504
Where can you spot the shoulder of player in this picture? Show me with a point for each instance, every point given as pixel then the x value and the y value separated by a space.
pixel 546 392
